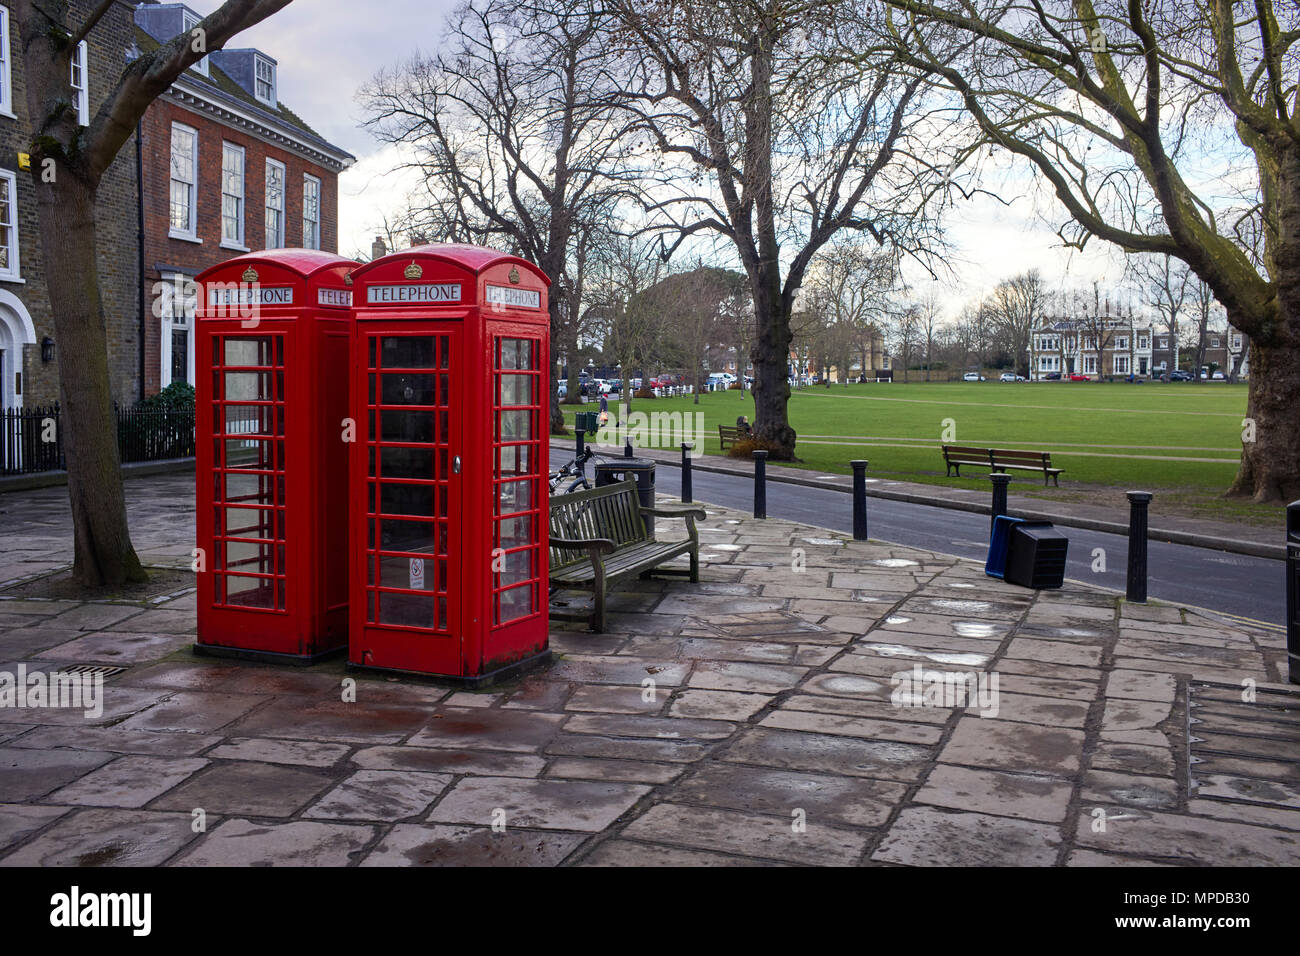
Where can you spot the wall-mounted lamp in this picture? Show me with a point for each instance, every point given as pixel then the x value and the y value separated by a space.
pixel 47 349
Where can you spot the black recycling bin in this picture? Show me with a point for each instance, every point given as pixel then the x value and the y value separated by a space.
pixel 642 470
pixel 1036 555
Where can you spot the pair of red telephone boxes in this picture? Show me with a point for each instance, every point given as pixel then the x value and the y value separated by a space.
pixel 371 448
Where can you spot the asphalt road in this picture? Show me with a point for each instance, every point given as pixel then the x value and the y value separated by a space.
pixel 1233 584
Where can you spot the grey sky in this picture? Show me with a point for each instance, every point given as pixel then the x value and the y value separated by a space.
pixel 326 49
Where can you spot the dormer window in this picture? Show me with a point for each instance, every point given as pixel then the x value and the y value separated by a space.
pixel 264 85
pixel 192 20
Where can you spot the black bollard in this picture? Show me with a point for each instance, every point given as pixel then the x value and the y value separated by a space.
pixel 1137 546
pixel 859 499
pixel 1293 591
pixel 687 495
pixel 760 484
pixel 1000 481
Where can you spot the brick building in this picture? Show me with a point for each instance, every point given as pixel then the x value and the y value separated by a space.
pixel 28 372
pixel 226 168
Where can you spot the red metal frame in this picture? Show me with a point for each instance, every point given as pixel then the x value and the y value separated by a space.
pixel 480 410
pixel 271 461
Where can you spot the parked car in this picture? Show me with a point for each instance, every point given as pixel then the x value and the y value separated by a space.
pixel 1180 375
pixel 1217 377
pixel 1052 377
pixel 1009 377
pixel 973 377
pixel 1076 377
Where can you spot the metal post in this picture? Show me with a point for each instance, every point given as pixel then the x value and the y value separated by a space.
pixel 1137 546
pixel 581 429
pixel 859 499
pixel 760 484
pixel 687 491
pixel 1000 481
pixel 1293 591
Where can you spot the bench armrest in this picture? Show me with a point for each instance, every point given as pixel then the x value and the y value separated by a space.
pixel 680 511
pixel 595 546
pixel 673 511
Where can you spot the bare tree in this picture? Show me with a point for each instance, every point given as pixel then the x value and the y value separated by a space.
pixel 68 165
pixel 770 125
pixel 1018 306
pixel 1203 310
pixel 511 128
pixel 1116 104
pixel 1166 282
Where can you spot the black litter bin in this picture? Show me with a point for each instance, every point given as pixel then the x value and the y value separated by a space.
pixel 1036 555
pixel 614 470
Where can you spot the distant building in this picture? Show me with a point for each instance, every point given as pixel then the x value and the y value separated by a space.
pixel 1223 349
pixel 1098 347
pixel 226 168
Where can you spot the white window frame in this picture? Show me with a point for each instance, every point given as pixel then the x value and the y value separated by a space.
pixel 190 234
pixel 170 280
pixel 189 22
pixel 1121 341
pixel 1214 341
pixel 1235 342
pixel 237 243
pixel 307 181
pixel 6 73
pixel 14 272
pixel 81 59
pixel 1143 342
pixel 263 61
pixel 1120 365
pixel 1089 366
pixel 281 236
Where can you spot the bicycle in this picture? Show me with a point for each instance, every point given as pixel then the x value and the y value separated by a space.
pixel 576 469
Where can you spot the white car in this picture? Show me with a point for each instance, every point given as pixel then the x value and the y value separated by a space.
pixel 973 377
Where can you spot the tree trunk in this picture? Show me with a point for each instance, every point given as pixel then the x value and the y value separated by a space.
pixel 573 395
pixel 553 374
pixel 771 389
pixel 1270 465
pixel 103 553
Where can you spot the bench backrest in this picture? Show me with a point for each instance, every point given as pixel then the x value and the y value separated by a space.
pixel 728 431
pixel 965 451
pixel 1036 458
pixel 611 511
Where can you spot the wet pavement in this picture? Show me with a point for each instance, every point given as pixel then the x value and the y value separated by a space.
pixel 798 706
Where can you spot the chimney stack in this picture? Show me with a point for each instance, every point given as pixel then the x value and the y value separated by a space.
pixel 377 248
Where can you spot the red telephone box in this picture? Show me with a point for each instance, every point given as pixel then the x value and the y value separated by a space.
pixel 451 358
pixel 272 336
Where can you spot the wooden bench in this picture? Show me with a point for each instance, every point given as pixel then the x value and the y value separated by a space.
pixel 730 434
pixel 954 456
pixel 1000 459
pixel 598 537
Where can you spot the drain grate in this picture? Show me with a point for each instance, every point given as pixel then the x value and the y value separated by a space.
pixel 90 670
pixel 1244 744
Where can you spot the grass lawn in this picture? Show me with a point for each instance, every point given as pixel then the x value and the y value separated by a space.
pixel 1181 439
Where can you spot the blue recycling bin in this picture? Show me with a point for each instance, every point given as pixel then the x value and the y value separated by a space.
pixel 999 545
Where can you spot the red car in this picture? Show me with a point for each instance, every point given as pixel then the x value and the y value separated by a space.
pixel 1080 378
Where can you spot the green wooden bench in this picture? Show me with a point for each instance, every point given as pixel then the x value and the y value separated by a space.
pixel 729 435
pixel 598 537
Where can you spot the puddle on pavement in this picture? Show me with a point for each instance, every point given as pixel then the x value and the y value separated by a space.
pixel 952 604
pixel 974 629
pixel 897 619
pixel 896 563
pixel 939 657
pixel 850 685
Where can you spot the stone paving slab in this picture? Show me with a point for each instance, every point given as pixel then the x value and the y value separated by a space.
pixel 768 716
